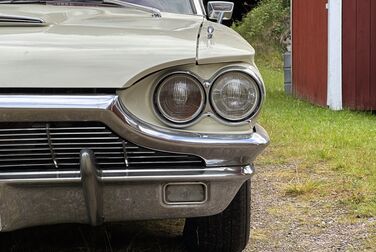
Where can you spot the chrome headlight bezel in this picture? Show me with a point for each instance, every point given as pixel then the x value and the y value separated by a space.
pixel 251 112
pixel 162 115
pixel 207 109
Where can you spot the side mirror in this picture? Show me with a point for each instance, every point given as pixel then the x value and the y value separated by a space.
pixel 220 10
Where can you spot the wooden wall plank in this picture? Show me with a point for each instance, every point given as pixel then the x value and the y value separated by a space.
pixel 363 50
pixel 349 53
pixel 373 57
pixel 310 50
pixel 359 54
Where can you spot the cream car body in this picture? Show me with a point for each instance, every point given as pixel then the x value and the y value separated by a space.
pixel 98 47
pixel 82 79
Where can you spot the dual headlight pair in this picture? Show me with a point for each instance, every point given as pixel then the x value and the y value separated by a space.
pixel 234 97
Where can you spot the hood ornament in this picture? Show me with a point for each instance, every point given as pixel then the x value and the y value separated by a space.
pixel 210 32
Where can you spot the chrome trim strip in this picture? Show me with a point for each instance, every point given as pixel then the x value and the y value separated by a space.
pixel 62 177
pixel 55 102
pixel 215 149
pixel 9 19
pixel 199 7
pixel 154 11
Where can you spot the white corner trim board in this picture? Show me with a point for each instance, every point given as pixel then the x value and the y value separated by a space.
pixel 334 99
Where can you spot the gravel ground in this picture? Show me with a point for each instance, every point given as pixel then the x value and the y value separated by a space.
pixel 284 223
pixel 279 223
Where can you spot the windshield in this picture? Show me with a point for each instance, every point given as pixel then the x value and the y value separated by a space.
pixel 174 6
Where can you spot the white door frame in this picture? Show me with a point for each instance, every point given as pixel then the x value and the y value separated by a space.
pixel 334 92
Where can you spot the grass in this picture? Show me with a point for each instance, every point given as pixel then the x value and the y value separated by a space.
pixel 333 152
pixel 302 188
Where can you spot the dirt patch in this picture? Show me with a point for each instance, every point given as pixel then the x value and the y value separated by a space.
pixel 280 222
pixel 283 222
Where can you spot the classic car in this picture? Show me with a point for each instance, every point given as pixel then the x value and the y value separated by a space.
pixel 118 110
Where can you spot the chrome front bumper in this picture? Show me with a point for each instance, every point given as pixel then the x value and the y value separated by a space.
pixel 136 196
pixel 93 196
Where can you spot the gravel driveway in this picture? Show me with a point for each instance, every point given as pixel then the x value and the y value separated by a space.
pixel 279 223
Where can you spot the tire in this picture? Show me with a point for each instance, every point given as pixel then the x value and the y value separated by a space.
pixel 225 232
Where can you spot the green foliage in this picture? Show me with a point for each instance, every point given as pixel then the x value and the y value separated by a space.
pixel 266 27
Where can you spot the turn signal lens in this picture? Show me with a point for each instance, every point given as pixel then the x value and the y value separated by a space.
pixel 235 96
pixel 179 98
pixel 176 193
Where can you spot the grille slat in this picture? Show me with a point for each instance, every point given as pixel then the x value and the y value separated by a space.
pixel 57 146
pixel 89 140
pixel 23 144
pixel 87 144
pixel 24 159
pixel 92 148
pixel 109 157
pixel 159 157
pixel 69 164
pixel 79 133
pixel 163 162
pixel 140 152
pixel 29 165
pixel 22 139
pixel 79 128
pixel 22 134
pixel 23 150
pixel 24 155
pixel 22 129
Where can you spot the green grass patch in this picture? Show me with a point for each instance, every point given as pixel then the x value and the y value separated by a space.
pixel 302 187
pixel 340 146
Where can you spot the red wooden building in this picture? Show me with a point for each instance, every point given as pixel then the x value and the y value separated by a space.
pixel 334 52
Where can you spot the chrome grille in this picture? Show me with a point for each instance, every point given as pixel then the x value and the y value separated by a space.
pixel 51 146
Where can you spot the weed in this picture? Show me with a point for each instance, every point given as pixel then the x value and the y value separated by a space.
pixel 302 188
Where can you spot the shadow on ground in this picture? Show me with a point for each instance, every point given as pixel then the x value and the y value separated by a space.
pixel 129 236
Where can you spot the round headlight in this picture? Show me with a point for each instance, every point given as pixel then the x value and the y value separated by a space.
pixel 235 96
pixel 179 98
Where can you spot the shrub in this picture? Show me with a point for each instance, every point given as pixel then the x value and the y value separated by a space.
pixel 267 27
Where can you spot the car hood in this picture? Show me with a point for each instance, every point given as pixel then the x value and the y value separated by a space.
pixel 94 47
